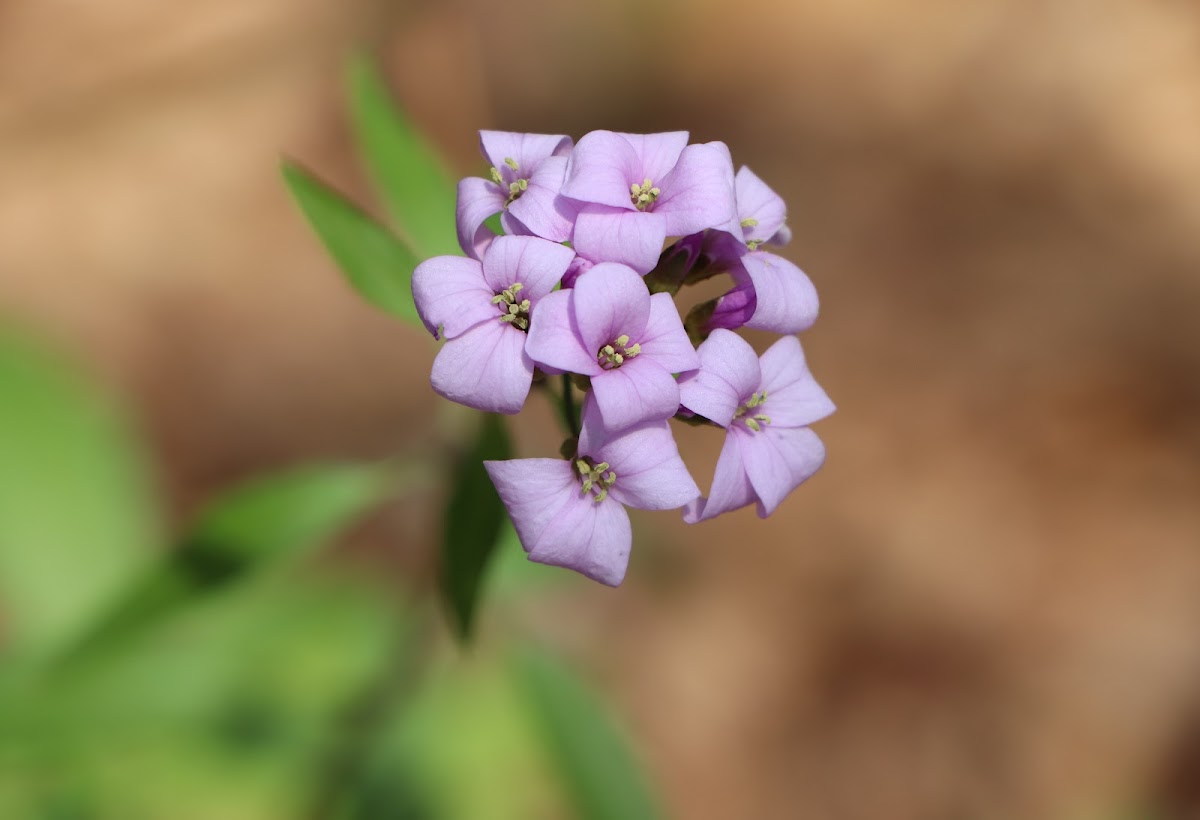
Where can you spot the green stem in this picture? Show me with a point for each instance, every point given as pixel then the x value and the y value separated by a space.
pixel 568 405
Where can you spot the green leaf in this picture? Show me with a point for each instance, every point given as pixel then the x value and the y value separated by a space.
pixel 248 529
pixel 409 174
pixel 596 764
pixel 472 525
pixel 78 521
pixel 378 265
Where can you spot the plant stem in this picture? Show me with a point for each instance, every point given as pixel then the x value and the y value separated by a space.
pixel 568 405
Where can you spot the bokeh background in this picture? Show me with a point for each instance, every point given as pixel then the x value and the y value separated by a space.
pixel 984 606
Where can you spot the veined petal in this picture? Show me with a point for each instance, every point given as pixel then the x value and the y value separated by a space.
pixel 698 193
pixel 756 201
pixel 650 473
pixel 657 154
pixel 541 208
pixel 664 340
pixel 637 391
pixel 634 238
pixel 533 490
pixel 731 487
pixel 610 300
pixel 794 399
pixel 450 292
pixel 728 375
pixel 485 368
pixel 778 460
pixel 477 200
pixel 554 340
pixel 527 150
pixel 601 169
pixel 590 537
pixel 785 298
pixel 538 264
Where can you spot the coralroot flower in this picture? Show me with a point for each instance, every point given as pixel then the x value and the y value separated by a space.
pixel 635 190
pixel 484 310
pixel 526 174
pixel 765 405
pixel 572 513
pixel 608 327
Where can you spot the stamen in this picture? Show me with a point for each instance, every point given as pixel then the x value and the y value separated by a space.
pixel 756 421
pixel 749 222
pixel 510 162
pixel 642 196
pixel 617 352
pixel 512 311
pixel 496 178
pixel 593 479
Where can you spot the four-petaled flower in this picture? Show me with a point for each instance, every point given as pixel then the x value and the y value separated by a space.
pixel 608 327
pixel 635 190
pixel 484 310
pixel 572 513
pixel 526 174
pixel 766 406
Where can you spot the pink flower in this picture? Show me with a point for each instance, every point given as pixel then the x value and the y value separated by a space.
pixel 526 175
pixel 635 190
pixel 765 405
pixel 484 310
pixel 572 513
pixel 608 327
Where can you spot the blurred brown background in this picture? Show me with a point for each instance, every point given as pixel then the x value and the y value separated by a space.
pixel 985 606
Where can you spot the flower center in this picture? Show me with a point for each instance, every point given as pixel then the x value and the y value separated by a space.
pixel 756 421
pixel 751 222
pixel 643 195
pixel 616 352
pixel 513 310
pixel 595 478
pixel 515 188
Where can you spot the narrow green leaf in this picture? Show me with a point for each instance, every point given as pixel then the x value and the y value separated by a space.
pixel 408 172
pixel 472 526
pixel 376 263
pixel 78 522
pixel 248 529
pixel 597 766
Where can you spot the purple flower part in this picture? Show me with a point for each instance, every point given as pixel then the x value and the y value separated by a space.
pixel 761 212
pixel 769 450
pixel 729 372
pixel 578 267
pixel 769 293
pixel 629 237
pixel 561 524
pixel 572 514
pixel 517 173
pixel 605 164
pixel 610 328
pixel 484 310
pixel 698 193
pixel 650 473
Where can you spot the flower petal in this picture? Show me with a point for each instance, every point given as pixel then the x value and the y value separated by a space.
pixel 731 488
pixel 633 238
pixel 540 208
pixel 657 154
pixel 590 537
pixel 639 390
pixel 533 490
pixel 794 399
pixel 601 169
pixel 554 339
pixel 477 200
pixel 698 193
pixel 527 150
pixel 650 473
pixel 610 301
pixel 450 292
pixel 538 264
pixel 664 340
pixel 778 460
pixel 755 200
pixel 728 376
pixel 785 298
pixel 485 368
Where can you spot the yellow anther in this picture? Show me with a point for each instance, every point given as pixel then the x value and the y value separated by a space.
pixel 633 350
pixel 496 178
pixel 621 340
pixel 749 222
pixel 510 162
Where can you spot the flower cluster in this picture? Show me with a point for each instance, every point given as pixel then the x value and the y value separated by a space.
pixel 598 239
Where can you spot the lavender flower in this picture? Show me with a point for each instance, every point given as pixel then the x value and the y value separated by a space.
pixel 484 310
pixel 761 213
pixel 769 292
pixel 608 327
pixel 572 513
pixel 635 190
pixel 526 175
pixel 765 405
